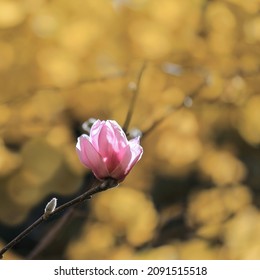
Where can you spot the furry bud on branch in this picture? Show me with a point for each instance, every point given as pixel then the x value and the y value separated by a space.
pixel 50 207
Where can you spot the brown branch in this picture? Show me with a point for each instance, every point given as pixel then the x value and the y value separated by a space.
pixel 156 123
pixel 102 186
pixel 187 103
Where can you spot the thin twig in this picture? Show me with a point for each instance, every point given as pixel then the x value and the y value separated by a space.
pixel 161 119
pixel 187 102
pixel 109 183
pixel 135 90
pixel 87 184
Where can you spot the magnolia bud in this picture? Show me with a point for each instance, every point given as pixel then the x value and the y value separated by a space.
pixel 108 152
pixel 88 124
pixel 188 101
pixel 172 69
pixel 134 132
pixel 50 207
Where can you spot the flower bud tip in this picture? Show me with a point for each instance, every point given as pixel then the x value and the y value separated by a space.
pixel 50 207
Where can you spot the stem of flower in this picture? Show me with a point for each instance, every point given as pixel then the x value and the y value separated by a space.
pixel 133 100
pixel 109 183
pixel 160 120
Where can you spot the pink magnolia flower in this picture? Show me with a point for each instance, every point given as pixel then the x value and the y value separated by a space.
pixel 107 151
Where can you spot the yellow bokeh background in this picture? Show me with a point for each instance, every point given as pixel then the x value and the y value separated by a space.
pixel 195 192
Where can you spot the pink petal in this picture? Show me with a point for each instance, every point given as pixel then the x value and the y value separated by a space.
pixel 136 151
pixel 107 143
pixel 122 165
pixel 111 144
pixel 90 157
pixel 132 154
pixel 95 131
pixel 119 134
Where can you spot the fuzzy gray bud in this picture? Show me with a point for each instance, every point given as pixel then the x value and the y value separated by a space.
pixel 50 207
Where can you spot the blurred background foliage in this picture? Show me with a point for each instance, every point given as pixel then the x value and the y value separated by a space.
pixel 196 192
